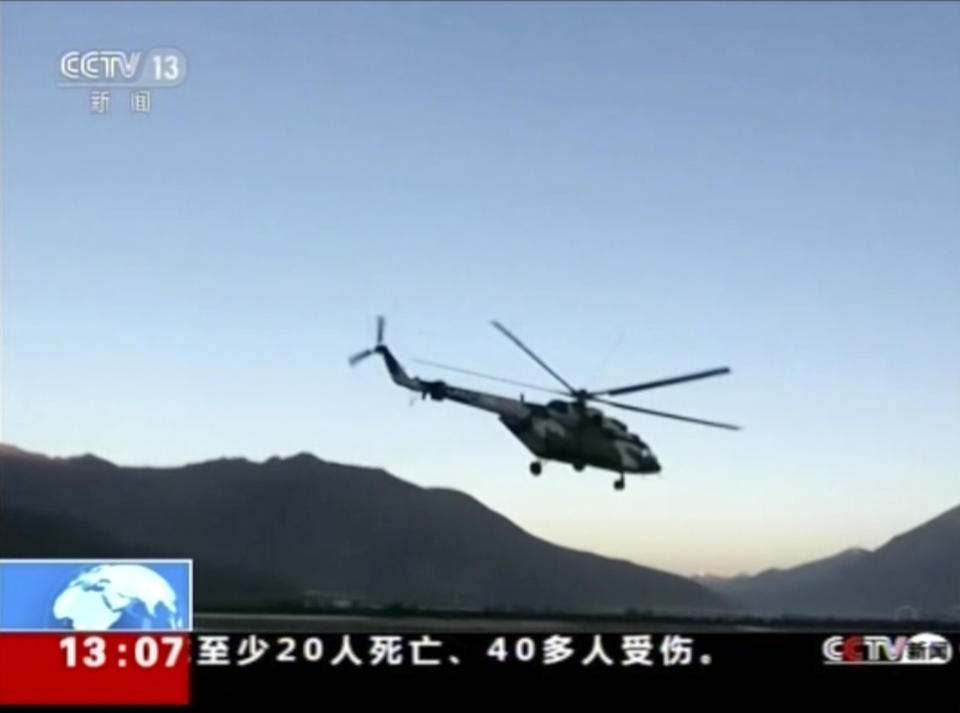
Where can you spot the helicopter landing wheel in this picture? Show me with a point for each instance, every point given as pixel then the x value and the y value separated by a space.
pixel 578 467
pixel 536 468
pixel 619 484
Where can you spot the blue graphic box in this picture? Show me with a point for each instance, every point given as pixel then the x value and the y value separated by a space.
pixel 96 595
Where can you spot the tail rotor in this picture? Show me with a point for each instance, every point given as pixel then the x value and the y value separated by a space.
pixel 360 356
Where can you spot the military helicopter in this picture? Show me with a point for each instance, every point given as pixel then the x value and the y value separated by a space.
pixel 567 430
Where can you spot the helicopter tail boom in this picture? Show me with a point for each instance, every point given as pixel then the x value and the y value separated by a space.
pixel 397 372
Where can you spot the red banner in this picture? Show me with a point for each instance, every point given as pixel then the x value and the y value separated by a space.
pixel 94 668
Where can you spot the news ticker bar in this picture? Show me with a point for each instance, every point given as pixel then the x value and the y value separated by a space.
pixel 151 668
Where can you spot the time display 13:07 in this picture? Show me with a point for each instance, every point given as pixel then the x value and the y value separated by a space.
pixel 147 651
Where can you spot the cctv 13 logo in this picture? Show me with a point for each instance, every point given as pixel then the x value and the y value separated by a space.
pixel 162 67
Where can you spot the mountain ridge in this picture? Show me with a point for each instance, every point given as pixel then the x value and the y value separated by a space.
pixel 313 525
pixel 299 523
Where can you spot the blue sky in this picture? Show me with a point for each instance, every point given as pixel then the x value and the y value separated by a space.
pixel 638 190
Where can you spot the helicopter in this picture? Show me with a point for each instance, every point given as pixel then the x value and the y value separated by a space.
pixel 563 430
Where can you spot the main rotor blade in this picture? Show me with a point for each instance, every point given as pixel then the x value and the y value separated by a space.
pixel 489 376
pixel 512 338
pixel 360 356
pixel 661 382
pixel 700 421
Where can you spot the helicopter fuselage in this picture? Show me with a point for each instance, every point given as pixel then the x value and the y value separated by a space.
pixel 582 441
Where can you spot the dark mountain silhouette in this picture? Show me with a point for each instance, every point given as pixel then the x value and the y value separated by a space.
pixel 919 568
pixel 267 532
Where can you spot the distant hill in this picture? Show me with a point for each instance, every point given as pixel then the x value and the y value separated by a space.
pixel 776 585
pixel 919 568
pixel 268 532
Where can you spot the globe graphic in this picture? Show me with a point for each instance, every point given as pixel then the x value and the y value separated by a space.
pixel 117 596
